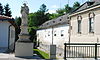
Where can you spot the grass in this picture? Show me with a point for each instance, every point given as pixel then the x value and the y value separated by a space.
pixel 41 54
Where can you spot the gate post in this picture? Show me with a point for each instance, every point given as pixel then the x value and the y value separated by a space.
pixel 64 50
pixel 95 50
pixel 52 51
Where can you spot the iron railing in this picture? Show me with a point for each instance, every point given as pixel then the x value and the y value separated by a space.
pixel 81 50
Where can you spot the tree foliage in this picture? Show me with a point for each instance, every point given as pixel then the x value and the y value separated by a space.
pixel 60 11
pixel 17 30
pixel 53 16
pixel 43 8
pixel 76 5
pixel 18 21
pixel 68 9
pixel 1 9
pixel 39 17
pixel 7 10
pixel 36 19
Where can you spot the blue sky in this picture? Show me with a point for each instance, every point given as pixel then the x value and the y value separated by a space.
pixel 34 5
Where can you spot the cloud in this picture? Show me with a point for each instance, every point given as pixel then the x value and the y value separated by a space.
pixel 54 6
pixel 52 11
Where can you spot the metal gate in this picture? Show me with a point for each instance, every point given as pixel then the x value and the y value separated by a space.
pixel 81 50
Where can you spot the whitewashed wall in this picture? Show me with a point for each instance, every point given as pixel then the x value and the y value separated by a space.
pixel 4 33
pixel 45 35
pixel 12 37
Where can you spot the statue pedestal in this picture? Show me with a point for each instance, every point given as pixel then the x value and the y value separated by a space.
pixel 23 49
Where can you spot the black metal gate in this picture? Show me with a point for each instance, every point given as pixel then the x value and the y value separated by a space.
pixel 81 50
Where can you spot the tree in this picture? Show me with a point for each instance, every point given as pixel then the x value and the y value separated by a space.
pixel 53 16
pixel 60 12
pixel 43 8
pixel 31 19
pixel 17 30
pixel 7 10
pixel 39 17
pixel 1 9
pixel 68 8
pixel 36 19
pixel 18 21
pixel 76 5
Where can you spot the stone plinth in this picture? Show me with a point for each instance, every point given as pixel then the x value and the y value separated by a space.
pixel 24 49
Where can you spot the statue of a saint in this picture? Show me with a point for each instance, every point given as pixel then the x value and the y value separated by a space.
pixel 24 12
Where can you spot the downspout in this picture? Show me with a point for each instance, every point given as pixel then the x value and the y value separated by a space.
pixel 52 35
pixel 70 27
pixel 9 35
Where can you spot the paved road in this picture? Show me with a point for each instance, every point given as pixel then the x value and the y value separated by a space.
pixel 5 56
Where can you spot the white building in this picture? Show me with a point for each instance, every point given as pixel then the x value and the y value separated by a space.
pixel 54 32
pixel 85 23
pixel 7 32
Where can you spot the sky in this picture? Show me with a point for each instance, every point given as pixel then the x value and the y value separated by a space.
pixel 34 5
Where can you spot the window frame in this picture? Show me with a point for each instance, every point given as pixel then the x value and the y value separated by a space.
pixel 55 33
pixel 62 34
pixel 91 17
pixel 79 18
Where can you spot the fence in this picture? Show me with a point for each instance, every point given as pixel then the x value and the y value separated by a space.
pixel 81 50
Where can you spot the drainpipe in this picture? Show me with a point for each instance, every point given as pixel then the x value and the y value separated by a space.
pixel 9 35
pixel 97 40
pixel 52 35
pixel 70 27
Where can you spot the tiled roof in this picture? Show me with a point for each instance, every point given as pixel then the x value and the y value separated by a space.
pixel 5 18
pixel 60 20
pixel 87 5
pixel 9 19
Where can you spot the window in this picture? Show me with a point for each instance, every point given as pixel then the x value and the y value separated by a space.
pixel 48 33
pixel 60 20
pixel 79 24
pixel 53 21
pixel 91 22
pixel 54 33
pixel 62 32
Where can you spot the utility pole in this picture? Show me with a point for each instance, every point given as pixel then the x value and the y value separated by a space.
pixel 68 2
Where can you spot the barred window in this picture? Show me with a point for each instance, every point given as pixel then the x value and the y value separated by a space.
pixel 91 22
pixel 79 19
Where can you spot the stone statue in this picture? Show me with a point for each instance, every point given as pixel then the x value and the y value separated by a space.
pixel 24 12
pixel 24 46
pixel 24 35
